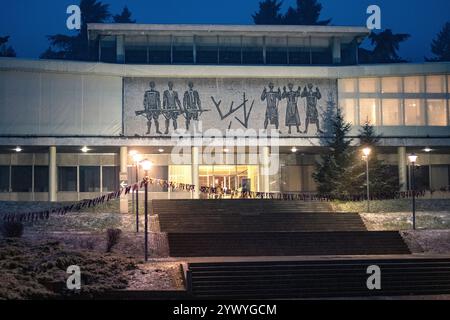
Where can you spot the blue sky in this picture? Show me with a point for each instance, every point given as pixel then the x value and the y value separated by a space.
pixel 29 21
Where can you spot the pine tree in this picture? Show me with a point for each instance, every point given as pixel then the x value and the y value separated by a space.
pixel 307 12
pixel 440 46
pixel 385 47
pixel 124 17
pixel 269 13
pixel 77 47
pixel 5 50
pixel 332 171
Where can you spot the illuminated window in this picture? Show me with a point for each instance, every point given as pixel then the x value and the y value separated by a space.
pixel 391 112
pixel 448 84
pixel 413 84
pixel 437 113
pixel 368 111
pixel 435 84
pixel 368 85
pixel 347 85
pixel 391 85
pixel 348 110
pixel 413 112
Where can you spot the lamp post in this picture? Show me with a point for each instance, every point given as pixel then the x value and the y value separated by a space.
pixel 413 159
pixel 366 153
pixel 146 165
pixel 136 159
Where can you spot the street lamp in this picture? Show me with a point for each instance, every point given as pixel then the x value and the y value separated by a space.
pixel 366 153
pixel 146 165
pixel 413 159
pixel 136 159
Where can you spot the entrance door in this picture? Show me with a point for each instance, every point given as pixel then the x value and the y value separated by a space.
pixel 232 179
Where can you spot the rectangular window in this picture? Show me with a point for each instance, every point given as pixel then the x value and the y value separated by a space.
pixel 437 112
pixel 413 84
pixel 435 84
pixel 89 179
pixel 4 178
pixel 230 50
pixel 108 49
pixel 348 110
pixel 368 85
pixel 67 179
pixel 391 112
pixel 299 51
pixel 110 176
pixel 276 51
pixel 391 85
pixel 414 112
pixel 448 84
pixel 368 111
pixel 252 51
pixel 136 50
pixel 183 50
pixel 40 179
pixel 207 48
pixel 21 178
pixel 159 49
pixel 347 85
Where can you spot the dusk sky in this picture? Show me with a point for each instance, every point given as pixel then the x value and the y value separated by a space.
pixel 28 21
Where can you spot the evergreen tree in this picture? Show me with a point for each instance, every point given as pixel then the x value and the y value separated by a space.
pixel 77 47
pixel 124 17
pixel 440 46
pixel 5 50
pixel 332 171
pixel 386 45
pixel 269 13
pixel 307 12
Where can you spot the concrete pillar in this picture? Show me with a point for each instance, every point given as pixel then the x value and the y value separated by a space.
pixel 123 177
pixel 195 161
pixel 120 49
pixel 336 48
pixel 402 169
pixel 52 179
pixel 265 165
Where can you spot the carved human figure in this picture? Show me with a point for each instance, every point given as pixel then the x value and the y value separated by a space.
pixel 272 98
pixel 171 106
pixel 192 105
pixel 312 115
pixel 152 106
pixel 292 115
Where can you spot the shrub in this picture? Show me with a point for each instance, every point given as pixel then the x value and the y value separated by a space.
pixel 113 237
pixel 12 229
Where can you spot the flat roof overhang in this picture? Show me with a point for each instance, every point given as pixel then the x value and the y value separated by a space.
pixel 108 29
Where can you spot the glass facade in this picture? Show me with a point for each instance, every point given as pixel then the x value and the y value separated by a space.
pixel 67 179
pixel 4 178
pixel 21 178
pixel 89 178
pixel 396 101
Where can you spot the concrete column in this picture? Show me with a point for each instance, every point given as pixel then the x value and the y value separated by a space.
pixel 265 164
pixel 120 49
pixel 195 161
pixel 402 171
pixel 123 175
pixel 336 48
pixel 52 179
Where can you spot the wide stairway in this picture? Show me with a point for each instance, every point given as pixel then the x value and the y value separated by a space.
pixel 321 278
pixel 273 249
pixel 221 228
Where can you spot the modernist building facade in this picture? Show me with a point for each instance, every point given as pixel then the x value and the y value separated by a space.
pixel 151 86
